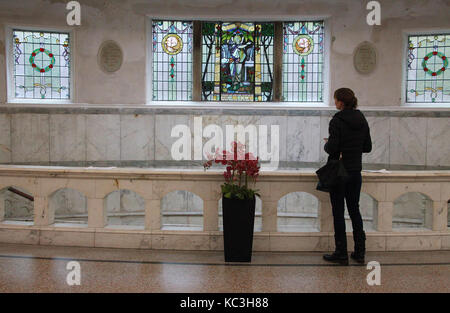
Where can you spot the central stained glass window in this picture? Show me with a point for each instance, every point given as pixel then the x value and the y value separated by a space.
pixel 237 61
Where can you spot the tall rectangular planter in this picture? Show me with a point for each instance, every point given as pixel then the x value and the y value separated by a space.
pixel 238 224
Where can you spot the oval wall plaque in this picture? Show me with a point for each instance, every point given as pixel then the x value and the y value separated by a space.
pixel 110 56
pixel 365 58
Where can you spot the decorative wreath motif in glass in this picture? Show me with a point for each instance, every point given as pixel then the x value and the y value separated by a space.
pixel 427 80
pixel 48 53
pixel 41 65
pixel 439 71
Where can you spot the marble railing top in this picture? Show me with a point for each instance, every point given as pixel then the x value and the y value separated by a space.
pixel 206 109
pixel 200 175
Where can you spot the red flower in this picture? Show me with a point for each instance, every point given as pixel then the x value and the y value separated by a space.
pixel 435 53
pixel 443 69
pixel 41 49
pixel 42 70
pixel 33 65
pixel 33 54
pixel 433 74
pixel 425 69
pixel 425 58
pixel 240 165
pixel 443 57
pixel 50 55
pixel 50 66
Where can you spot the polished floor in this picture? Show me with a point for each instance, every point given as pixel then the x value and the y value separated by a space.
pixel 25 268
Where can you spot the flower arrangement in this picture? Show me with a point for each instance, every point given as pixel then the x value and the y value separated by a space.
pixel 240 168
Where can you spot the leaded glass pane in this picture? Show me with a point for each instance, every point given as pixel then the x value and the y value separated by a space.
pixel 427 77
pixel 172 60
pixel 41 65
pixel 237 61
pixel 303 61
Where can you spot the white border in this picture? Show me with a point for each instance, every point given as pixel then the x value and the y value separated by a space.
pixel 9 63
pixel 230 104
pixel 405 34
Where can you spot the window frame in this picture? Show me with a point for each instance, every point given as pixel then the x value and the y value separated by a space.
pixel 202 104
pixel 405 42
pixel 10 88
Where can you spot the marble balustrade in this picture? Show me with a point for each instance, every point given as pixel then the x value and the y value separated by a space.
pixel 140 137
pixel 153 184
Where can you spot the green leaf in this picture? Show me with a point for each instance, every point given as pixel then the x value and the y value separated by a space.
pixel 208 28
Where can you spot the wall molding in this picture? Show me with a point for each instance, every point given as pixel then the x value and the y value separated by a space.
pixel 223 110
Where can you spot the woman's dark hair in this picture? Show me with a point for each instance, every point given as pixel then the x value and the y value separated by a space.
pixel 347 96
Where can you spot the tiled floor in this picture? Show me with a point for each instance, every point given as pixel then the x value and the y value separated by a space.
pixel 25 268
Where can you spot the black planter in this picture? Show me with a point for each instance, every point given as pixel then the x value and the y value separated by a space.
pixel 238 223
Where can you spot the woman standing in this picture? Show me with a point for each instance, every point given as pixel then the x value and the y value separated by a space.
pixel 349 137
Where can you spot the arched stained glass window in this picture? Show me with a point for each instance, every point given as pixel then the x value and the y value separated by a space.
pixel 172 60
pixel 41 65
pixel 237 61
pixel 428 77
pixel 303 61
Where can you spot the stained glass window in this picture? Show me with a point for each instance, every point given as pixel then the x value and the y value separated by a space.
pixel 172 60
pixel 237 61
pixel 428 77
pixel 303 61
pixel 41 64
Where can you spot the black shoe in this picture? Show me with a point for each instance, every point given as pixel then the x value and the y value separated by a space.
pixel 359 258
pixel 336 257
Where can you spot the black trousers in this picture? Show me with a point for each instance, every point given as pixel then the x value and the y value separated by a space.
pixel 348 192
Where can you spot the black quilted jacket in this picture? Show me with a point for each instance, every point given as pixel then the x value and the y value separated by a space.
pixel 349 133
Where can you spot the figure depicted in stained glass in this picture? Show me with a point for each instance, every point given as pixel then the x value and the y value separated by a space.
pixel 237 61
